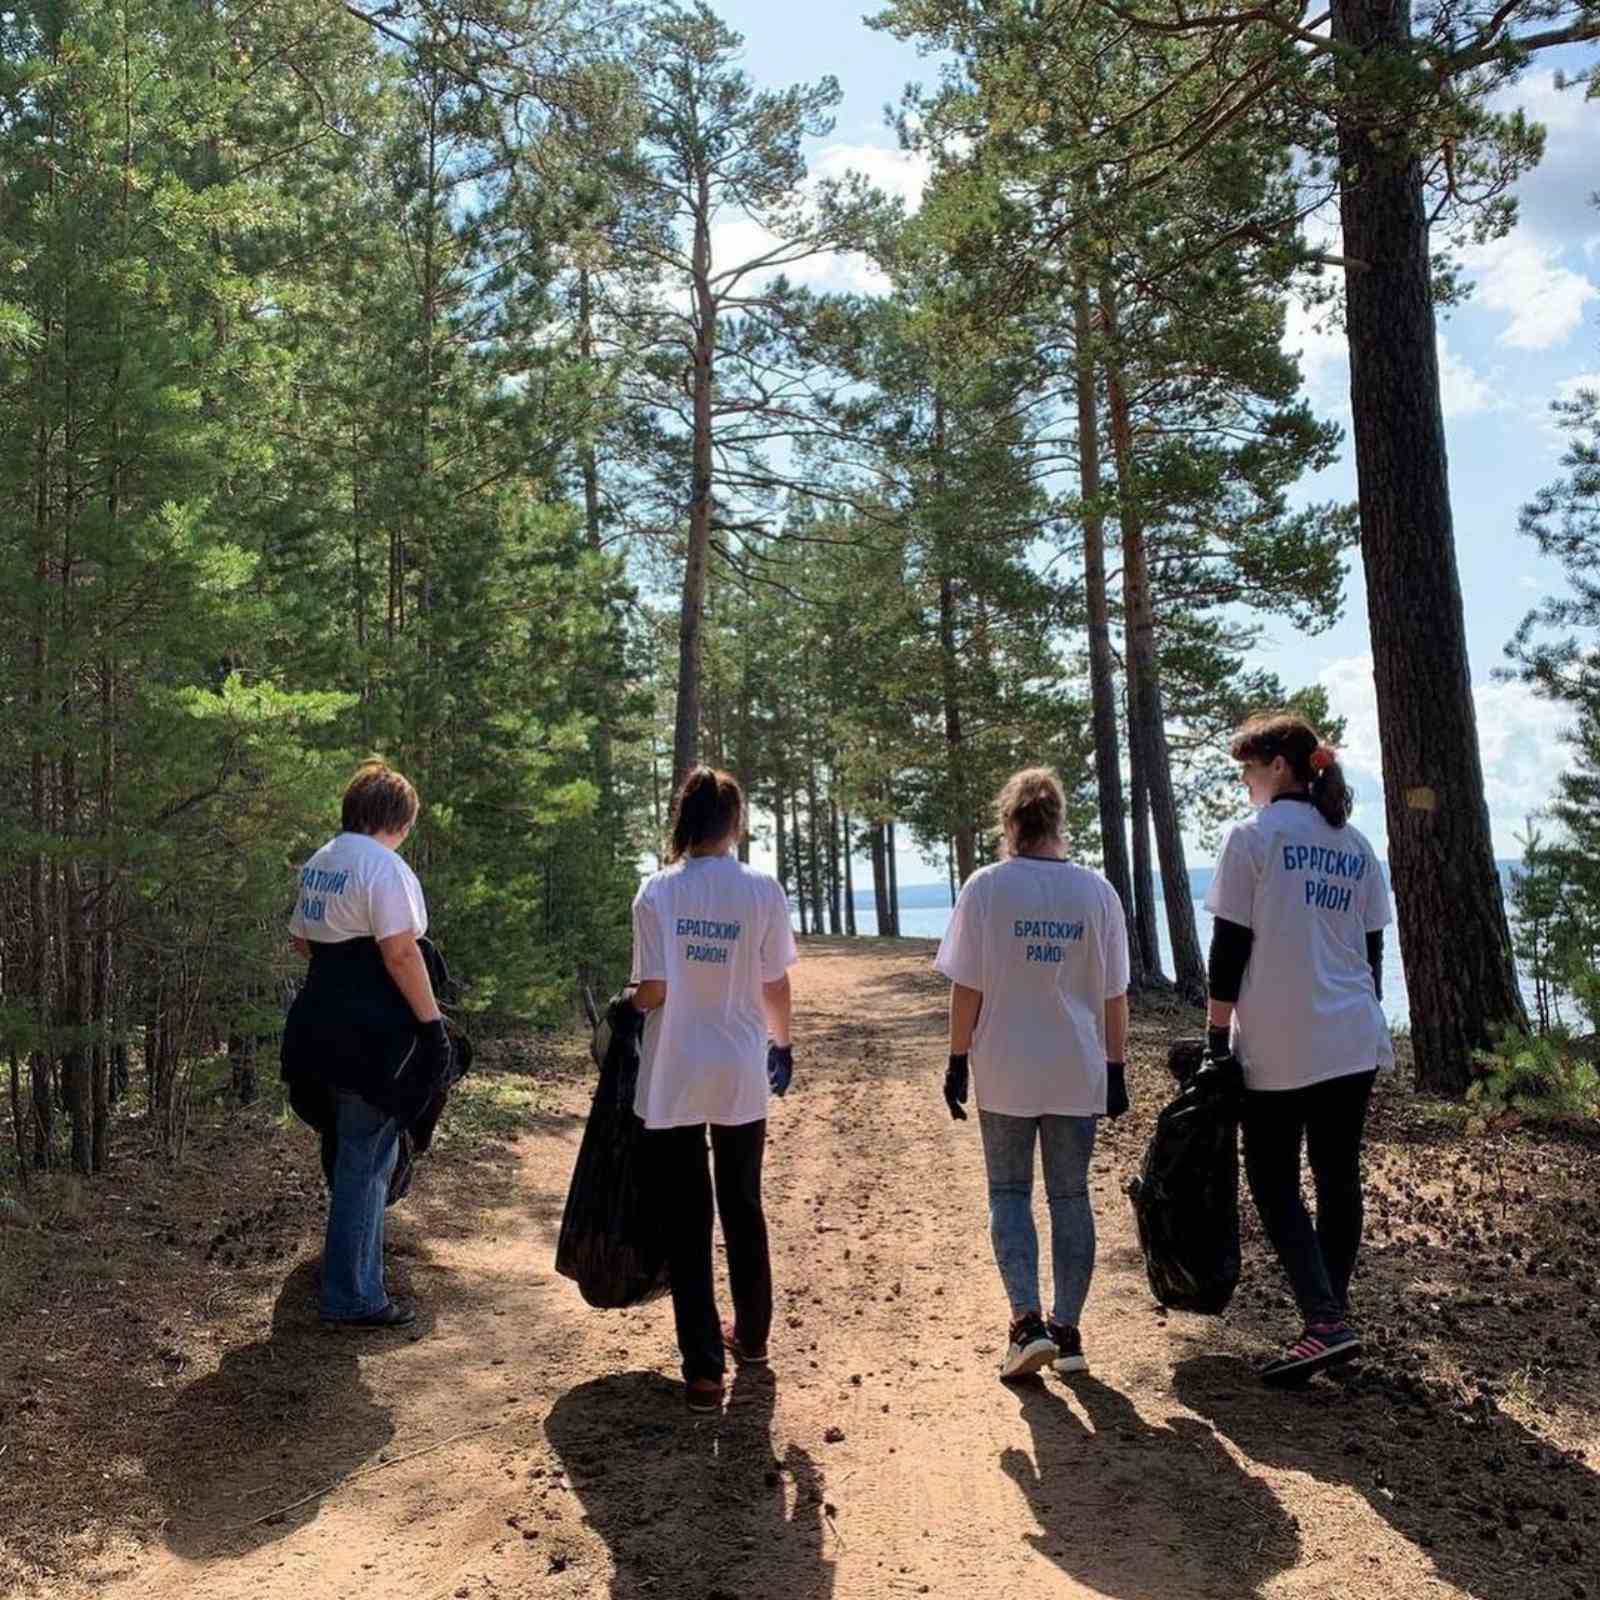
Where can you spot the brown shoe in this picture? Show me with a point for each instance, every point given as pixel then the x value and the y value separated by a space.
pixel 745 1355
pixel 703 1394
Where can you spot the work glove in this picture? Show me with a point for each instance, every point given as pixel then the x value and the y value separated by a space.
pixel 434 1043
pixel 1116 1089
pixel 780 1067
pixel 956 1079
pixel 1220 1075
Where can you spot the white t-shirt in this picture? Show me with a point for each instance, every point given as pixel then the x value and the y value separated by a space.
pixel 714 930
pixel 1046 943
pixel 356 888
pixel 1311 893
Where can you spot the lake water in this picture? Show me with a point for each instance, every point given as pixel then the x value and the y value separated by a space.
pixel 929 922
pixel 925 913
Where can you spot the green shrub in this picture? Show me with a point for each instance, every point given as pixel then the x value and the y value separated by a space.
pixel 1533 1077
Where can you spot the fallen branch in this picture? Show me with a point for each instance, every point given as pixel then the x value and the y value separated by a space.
pixel 366 1472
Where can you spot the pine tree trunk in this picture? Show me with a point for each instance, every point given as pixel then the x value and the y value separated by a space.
pixel 834 924
pixel 799 872
pixel 686 728
pixel 1146 720
pixel 814 817
pixel 849 880
pixel 1146 954
pixel 780 840
pixel 891 850
pixel 589 470
pixel 880 881
pixel 19 1127
pixel 1102 669
pixel 1460 969
pixel 964 831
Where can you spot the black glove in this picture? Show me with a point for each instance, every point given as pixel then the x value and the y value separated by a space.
pixel 1116 1089
pixel 780 1067
pixel 434 1043
pixel 955 1087
pixel 1220 1075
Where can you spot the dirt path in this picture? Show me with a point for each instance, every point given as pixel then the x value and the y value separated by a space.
pixel 880 1457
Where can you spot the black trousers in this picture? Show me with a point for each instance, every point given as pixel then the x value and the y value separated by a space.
pixel 681 1177
pixel 1329 1118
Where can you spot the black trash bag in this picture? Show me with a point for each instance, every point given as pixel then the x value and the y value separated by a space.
pixel 1186 1198
pixel 610 1244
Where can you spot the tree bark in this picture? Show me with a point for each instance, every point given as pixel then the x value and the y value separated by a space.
pixel 1456 944
pixel 686 729
pixel 814 817
pixel 964 831
pixel 890 850
pixel 849 880
pixel 779 838
pixel 1146 718
pixel 880 882
pixel 834 923
pixel 799 873
pixel 1146 954
pixel 1102 670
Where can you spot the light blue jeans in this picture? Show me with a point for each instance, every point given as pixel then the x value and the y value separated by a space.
pixel 352 1253
pixel 1067 1142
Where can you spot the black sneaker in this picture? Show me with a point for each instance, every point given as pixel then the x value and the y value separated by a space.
pixel 1310 1354
pixel 1029 1349
pixel 398 1313
pixel 1070 1343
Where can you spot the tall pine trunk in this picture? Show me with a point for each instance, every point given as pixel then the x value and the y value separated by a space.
pixel 1102 669
pixel 890 851
pixel 1459 965
pixel 1146 719
pixel 798 845
pixel 834 925
pixel 691 614
pixel 964 830
pixel 1147 945
pixel 880 882
pixel 849 879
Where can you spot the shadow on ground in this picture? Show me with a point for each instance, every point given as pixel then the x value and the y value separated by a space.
pixel 705 1508
pixel 1501 1514
pixel 1131 1510
pixel 280 1417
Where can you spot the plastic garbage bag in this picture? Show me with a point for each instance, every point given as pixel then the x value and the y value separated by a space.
pixel 1186 1198
pixel 609 1244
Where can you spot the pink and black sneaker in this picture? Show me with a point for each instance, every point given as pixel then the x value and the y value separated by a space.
pixel 1314 1351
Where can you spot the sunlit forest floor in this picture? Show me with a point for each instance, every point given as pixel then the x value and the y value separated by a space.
pixel 174 1422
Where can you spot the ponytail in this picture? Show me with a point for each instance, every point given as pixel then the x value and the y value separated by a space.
pixel 1313 763
pixel 1031 810
pixel 707 810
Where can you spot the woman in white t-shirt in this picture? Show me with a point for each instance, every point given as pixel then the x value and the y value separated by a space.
pixel 365 1026
pixel 1296 982
pixel 1037 956
pixel 712 948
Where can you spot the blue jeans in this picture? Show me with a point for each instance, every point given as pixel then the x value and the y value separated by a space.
pixel 1068 1142
pixel 352 1253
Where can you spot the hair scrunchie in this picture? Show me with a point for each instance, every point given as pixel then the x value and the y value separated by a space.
pixel 1322 758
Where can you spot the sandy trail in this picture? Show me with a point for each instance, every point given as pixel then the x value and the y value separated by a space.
pixel 878 1457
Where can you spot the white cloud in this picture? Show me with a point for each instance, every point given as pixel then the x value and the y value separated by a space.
pixel 1324 354
pixel 1524 279
pixel 1325 368
pixel 1463 392
pixel 901 174
pixel 1562 111
pixel 1519 740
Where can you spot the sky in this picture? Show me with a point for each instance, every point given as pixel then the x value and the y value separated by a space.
pixel 1529 332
